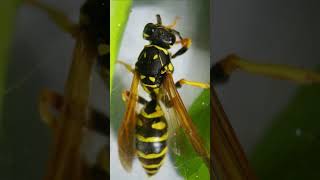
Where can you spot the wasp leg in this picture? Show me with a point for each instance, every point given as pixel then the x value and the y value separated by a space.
pixel 223 69
pixel 49 100
pixel 58 17
pixel 166 100
pixel 185 42
pixel 127 66
pixel 192 83
pixel 126 94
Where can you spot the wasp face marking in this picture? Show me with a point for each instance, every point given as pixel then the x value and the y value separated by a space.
pixel 152 79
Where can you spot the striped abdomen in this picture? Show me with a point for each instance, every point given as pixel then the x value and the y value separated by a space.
pixel 151 138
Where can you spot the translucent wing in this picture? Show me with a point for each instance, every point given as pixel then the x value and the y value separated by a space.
pixel 175 136
pixel 127 129
pixel 184 119
pixel 66 161
pixel 228 158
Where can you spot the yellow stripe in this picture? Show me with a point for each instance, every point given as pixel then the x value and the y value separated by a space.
pixel 152 115
pixel 142 76
pixel 152 139
pixel 152 156
pixel 158 47
pixel 153 165
pixel 151 85
pixel 160 60
pixel 159 125
pixel 145 35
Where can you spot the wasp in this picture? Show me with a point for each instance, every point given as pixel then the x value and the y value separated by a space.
pixel 74 116
pixel 145 134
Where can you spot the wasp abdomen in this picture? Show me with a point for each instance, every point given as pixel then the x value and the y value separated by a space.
pixel 151 138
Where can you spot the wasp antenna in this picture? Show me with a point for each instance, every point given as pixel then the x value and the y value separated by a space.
pixel 159 21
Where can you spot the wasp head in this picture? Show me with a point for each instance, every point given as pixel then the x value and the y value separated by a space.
pixel 159 35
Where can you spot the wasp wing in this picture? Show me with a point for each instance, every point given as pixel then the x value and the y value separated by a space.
pixel 228 158
pixel 175 136
pixel 127 129
pixel 184 119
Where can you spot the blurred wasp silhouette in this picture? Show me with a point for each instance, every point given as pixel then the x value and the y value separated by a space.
pixel 74 117
pixel 228 158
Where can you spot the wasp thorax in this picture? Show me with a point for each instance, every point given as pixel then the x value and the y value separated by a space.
pixel 159 35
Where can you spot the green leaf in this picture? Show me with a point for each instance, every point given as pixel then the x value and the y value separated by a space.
pixel 189 164
pixel 8 10
pixel 290 148
pixel 119 15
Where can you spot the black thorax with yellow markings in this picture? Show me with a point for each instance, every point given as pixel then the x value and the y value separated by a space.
pixel 153 62
pixel 151 137
pixel 155 59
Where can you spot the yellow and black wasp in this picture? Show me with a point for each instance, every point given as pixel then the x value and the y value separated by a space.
pixel 145 134
pixel 67 161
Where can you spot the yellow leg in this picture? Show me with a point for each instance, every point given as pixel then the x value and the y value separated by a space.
pixel 127 66
pixel 49 101
pixel 233 62
pixel 185 42
pixel 192 83
pixel 125 95
pixel 58 17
